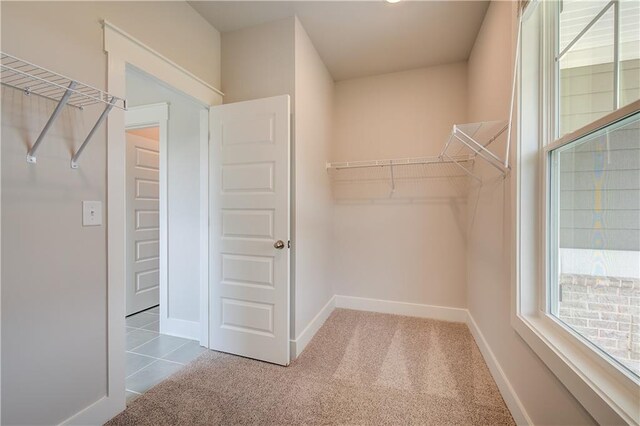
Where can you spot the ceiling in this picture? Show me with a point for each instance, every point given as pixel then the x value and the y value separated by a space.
pixel 362 38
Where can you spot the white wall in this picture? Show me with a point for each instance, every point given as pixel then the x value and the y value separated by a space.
pixel 183 149
pixel 54 270
pixel 312 236
pixel 489 252
pixel 409 247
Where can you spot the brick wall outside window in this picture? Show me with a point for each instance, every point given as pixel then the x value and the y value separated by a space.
pixel 605 310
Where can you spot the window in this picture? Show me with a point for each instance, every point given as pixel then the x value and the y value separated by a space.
pixel 593 195
pixel 597 58
pixel 577 212
pixel 594 239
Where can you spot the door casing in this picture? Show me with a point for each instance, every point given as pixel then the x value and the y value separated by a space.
pixel 122 49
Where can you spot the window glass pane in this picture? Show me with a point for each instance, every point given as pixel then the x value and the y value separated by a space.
pixel 594 258
pixel 586 76
pixel 629 51
pixel 575 15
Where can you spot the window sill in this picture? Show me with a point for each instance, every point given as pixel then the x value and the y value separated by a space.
pixel 609 398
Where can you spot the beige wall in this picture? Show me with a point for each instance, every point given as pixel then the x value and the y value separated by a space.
pixel 54 270
pixel 407 247
pixel 258 62
pixel 489 255
pixel 312 234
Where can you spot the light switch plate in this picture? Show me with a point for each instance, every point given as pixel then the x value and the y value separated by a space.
pixel 91 213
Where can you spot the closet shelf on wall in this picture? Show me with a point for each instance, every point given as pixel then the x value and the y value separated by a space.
pixel 400 169
pixel 473 140
pixel 415 161
pixel 35 80
pixel 466 143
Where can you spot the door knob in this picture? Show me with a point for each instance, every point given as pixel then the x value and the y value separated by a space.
pixel 279 244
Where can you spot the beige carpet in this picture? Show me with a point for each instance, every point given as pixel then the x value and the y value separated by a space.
pixel 361 368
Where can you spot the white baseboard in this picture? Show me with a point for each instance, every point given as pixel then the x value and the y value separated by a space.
pixel 402 308
pixel 180 328
pixel 99 412
pixel 300 343
pixel 508 393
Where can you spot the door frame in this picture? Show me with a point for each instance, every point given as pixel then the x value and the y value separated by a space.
pixel 122 49
pixel 157 115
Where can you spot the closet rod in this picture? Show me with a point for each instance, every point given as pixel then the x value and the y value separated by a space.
pixel 396 162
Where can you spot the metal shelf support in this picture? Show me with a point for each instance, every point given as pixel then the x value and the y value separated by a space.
pixel 31 155
pixel 103 116
pixel 474 139
pixel 36 80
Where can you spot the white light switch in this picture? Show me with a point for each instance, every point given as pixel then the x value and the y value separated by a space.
pixel 91 213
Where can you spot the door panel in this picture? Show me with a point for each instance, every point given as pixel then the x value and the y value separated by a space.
pixel 249 187
pixel 143 223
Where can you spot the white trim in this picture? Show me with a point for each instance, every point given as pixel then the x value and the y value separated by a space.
pixel 602 122
pixel 204 225
pixel 146 115
pixel 100 408
pixel 509 395
pixel 298 345
pixel 607 400
pixel 179 327
pixel 441 313
pixel 122 50
pixel 602 388
pixel 114 30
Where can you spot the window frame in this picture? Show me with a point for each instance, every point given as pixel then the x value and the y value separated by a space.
pixel 550 242
pixel 605 389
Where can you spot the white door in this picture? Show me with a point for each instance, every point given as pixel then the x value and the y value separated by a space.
pixel 249 157
pixel 143 222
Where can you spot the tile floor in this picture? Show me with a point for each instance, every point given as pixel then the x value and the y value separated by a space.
pixel 152 357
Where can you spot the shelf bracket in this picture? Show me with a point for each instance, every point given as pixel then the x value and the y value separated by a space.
pixel 31 155
pixel 393 180
pixel 482 151
pixel 103 116
pixel 467 171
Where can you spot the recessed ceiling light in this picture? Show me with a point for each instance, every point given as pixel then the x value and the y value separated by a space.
pixel 392 1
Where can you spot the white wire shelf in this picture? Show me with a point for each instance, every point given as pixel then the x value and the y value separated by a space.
pixel 466 143
pixel 32 79
pixel 404 171
pixel 473 140
pixel 396 162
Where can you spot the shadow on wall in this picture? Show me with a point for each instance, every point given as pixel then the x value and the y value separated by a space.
pixel 478 191
pixel 71 126
pixel 400 183
pixel 409 185
pixel 26 116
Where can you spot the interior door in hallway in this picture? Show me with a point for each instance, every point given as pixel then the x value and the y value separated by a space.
pixel 142 209
pixel 249 196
